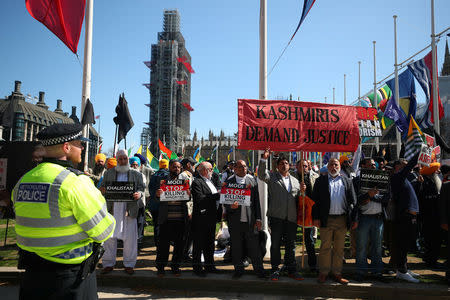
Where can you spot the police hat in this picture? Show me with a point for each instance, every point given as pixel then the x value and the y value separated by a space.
pixel 61 133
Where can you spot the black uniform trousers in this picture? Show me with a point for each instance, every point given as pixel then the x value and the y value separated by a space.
pixel 170 231
pixel 203 230
pixel 57 283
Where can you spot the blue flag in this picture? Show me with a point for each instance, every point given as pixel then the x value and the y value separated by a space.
pixel 407 91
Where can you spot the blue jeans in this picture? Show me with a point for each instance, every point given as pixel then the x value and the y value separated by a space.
pixel 370 228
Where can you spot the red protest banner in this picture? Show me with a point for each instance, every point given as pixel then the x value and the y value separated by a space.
pixel 295 126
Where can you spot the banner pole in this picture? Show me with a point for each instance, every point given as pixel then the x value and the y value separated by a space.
pixel 303 212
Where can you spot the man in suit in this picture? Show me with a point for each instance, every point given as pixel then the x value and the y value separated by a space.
pixel 172 219
pixel 244 222
pixel 205 197
pixel 334 198
pixel 125 213
pixel 284 191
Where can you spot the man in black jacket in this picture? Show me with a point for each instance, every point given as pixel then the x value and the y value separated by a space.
pixel 172 219
pixel 244 223
pixel 406 210
pixel 205 196
pixel 334 199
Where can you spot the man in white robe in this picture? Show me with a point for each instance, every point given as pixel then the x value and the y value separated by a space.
pixel 125 214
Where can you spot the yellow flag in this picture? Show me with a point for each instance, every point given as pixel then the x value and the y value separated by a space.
pixel 139 150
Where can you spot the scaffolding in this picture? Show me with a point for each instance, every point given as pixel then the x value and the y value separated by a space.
pixel 170 64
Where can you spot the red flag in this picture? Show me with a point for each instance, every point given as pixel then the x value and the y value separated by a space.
pixel 62 17
pixel 164 149
pixel 188 107
pixel 97 117
pixel 100 148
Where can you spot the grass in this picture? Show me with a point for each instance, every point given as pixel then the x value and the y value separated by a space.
pixel 8 252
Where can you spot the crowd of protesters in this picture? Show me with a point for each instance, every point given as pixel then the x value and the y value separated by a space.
pixel 412 215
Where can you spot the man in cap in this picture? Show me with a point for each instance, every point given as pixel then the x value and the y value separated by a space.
pixel 61 220
pixel 99 169
pixel 125 214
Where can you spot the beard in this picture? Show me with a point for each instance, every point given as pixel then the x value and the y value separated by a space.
pixel 98 169
pixel 122 169
pixel 174 174
pixel 333 173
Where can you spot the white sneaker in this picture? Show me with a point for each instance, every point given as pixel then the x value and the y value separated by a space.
pixel 413 274
pixel 407 277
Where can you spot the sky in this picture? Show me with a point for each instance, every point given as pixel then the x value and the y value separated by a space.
pixel 222 38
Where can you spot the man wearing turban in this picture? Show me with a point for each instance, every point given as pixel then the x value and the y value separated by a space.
pixel 99 169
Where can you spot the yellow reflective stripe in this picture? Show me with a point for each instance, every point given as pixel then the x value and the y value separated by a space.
pixel 53 194
pixel 105 233
pixel 51 241
pixel 45 223
pixel 96 219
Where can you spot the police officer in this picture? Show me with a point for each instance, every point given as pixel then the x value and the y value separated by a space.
pixel 61 218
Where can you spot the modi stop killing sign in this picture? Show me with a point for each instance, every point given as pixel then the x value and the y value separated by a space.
pixel 235 192
pixel 174 190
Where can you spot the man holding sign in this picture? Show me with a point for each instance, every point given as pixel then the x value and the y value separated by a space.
pixel 241 200
pixel 173 195
pixel 128 181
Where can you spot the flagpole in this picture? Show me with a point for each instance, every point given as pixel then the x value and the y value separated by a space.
pixel 262 186
pixel 334 98
pixel 435 74
pixel 345 90
pixel 98 139
pixel 397 92
pixel 86 90
pixel 115 141
pixel 374 99
pixel 303 211
pixel 359 82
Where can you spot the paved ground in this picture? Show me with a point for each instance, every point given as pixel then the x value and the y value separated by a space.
pixel 10 292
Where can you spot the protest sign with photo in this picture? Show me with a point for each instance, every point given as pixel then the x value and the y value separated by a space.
pixel 174 190
pixel 235 192
pixel 373 178
pixel 120 191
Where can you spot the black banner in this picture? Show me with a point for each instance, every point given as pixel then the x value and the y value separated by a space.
pixel 373 178
pixel 120 191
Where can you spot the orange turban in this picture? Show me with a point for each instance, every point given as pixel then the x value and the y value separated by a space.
pixel 342 159
pixel 431 169
pixel 111 163
pixel 100 156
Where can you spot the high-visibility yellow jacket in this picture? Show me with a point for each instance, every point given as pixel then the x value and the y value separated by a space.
pixel 59 214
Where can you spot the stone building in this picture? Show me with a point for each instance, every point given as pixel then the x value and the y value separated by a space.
pixel 21 120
